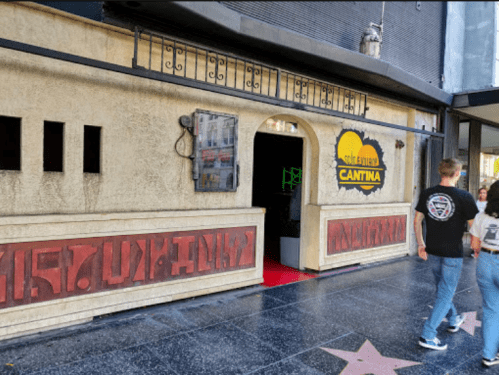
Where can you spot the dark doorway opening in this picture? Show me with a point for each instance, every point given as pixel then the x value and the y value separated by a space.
pixel 277 160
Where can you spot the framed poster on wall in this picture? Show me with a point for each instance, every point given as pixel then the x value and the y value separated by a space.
pixel 215 151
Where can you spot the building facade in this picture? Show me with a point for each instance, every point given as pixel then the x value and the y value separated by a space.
pixel 152 153
pixel 471 74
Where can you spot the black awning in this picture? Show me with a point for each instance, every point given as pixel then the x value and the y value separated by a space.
pixel 482 104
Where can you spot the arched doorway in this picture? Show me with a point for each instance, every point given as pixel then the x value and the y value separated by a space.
pixel 279 157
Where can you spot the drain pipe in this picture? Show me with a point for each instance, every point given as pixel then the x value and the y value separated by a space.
pixel 380 26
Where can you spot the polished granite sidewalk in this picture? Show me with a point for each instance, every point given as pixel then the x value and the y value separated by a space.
pixel 365 321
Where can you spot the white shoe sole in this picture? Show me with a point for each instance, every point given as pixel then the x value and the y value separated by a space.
pixel 428 346
pixel 489 364
pixel 457 327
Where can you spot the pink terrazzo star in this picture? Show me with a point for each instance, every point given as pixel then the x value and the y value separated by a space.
pixel 367 360
pixel 470 322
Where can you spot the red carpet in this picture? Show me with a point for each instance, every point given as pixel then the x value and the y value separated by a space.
pixel 275 273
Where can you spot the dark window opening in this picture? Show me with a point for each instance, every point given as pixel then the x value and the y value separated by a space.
pixel 10 143
pixel 91 149
pixel 53 146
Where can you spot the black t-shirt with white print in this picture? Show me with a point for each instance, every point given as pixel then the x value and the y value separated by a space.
pixel 446 210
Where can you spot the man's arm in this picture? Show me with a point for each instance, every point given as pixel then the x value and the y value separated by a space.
pixel 418 229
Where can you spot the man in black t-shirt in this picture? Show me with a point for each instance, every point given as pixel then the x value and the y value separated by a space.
pixel 446 210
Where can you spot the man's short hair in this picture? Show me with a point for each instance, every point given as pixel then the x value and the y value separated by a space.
pixel 448 167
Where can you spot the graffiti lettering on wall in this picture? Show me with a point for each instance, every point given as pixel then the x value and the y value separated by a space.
pixel 359 162
pixel 42 271
pixel 291 178
pixel 364 233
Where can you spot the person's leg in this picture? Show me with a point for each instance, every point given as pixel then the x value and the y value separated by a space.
pixel 450 271
pixel 436 267
pixel 452 315
pixel 435 263
pixel 488 281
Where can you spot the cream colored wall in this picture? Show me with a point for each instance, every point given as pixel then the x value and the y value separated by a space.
pixel 47 27
pixel 327 129
pixel 139 120
pixel 144 186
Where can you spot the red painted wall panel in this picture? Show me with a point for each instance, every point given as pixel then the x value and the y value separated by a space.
pixel 365 233
pixel 42 271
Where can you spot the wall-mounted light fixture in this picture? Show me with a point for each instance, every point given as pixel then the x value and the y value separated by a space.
pixel 399 144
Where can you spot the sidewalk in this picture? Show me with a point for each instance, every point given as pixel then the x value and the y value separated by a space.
pixel 359 322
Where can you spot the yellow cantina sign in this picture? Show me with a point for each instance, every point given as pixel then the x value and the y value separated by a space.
pixel 359 162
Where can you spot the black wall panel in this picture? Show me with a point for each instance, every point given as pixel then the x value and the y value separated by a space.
pixel 413 39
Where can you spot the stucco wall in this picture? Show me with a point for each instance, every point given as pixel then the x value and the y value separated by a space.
pixel 144 187
pixel 139 119
pixel 51 28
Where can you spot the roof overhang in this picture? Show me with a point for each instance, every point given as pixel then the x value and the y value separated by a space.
pixel 314 57
pixel 481 105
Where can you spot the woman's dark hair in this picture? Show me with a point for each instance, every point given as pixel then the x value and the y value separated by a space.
pixel 492 208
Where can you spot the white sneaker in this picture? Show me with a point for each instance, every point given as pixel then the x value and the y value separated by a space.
pixel 459 322
pixel 432 344
pixel 490 362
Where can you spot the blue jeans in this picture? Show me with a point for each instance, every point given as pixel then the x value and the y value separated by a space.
pixel 447 272
pixel 487 275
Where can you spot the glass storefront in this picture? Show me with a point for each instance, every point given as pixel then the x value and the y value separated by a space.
pixel 489 156
pixel 462 154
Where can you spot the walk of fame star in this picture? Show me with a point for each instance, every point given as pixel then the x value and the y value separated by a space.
pixel 367 360
pixel 470 322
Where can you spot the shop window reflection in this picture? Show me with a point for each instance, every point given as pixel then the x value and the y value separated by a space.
pixel 462 154
pixel 489 156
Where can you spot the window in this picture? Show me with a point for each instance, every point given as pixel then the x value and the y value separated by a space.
pixel 10 143
pixel 53 146
pixel 489 156
pixel 212 134
pixel 228 133
pixel 462 154
pixel 91 149
pixel 215 159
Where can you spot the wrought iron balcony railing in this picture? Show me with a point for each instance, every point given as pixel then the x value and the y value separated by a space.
pixel 163 54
